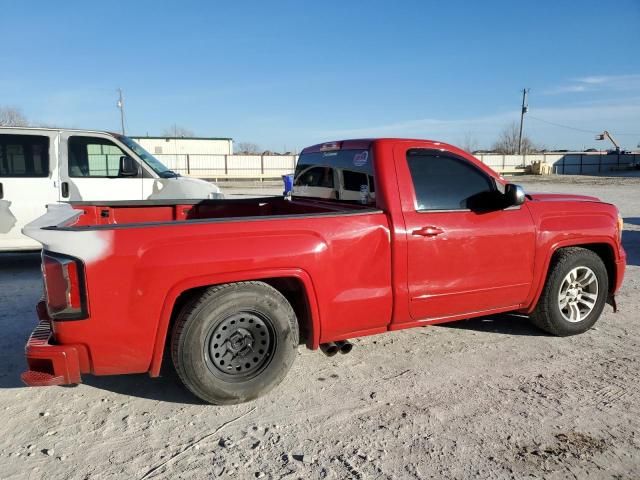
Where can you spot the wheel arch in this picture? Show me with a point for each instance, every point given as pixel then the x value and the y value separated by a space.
pixel 295 285
pixel 604 248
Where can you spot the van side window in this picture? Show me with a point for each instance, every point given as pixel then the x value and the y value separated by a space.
pixel 316 177
pixel 93 157
pixel 353 181
pixel 24 156
pixel 444 182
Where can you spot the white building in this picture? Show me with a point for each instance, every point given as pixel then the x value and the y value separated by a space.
pixel 186 145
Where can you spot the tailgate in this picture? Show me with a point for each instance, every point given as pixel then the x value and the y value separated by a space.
pixel 50 231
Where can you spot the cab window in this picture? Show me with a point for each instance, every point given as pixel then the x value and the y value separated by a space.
pixel 93 157
pixel 444 182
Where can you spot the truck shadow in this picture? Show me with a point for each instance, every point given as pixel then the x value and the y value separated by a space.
pixel 166 388
pixel 504 323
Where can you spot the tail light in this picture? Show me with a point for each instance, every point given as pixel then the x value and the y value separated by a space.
pixel 64 286
pixel 327 147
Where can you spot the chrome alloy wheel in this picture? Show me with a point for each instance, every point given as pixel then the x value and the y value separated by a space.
pixel 578 294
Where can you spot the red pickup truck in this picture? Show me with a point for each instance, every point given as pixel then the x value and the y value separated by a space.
pixel 377 235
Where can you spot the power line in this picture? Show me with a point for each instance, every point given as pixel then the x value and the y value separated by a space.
pixel 578 129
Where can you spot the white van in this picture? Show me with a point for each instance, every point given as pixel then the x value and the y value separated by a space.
pixel 39 166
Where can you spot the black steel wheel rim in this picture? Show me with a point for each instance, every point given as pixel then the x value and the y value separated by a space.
pixel 240 346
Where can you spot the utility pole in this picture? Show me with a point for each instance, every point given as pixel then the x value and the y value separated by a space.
pixel 121 107
pixel 525 109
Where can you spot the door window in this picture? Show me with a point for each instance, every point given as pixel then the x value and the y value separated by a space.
pixel 93 157
pixel 443 182
pixel 24 156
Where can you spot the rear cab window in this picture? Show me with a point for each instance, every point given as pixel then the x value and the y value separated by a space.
pixel 24 156
pixel 334 173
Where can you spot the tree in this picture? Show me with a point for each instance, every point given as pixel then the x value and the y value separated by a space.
pixel 176 131
pixel 507 142
pixel 12 117
pixel 247 148
pixel 470 143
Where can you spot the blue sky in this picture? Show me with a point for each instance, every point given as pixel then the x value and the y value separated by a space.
pixel 288 74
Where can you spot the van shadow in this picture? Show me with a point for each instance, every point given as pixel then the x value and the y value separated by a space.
pixel 503 323
pixel 631 243
pixel 20 290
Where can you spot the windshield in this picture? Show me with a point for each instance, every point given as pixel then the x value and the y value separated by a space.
pixel 344 175
pixel 149 159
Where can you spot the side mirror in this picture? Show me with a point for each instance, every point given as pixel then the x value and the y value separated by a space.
pixel 128 167
pixel 514 194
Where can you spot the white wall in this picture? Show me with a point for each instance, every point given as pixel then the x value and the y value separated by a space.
pixel 562 163
pixel 182 146
pixel 230 166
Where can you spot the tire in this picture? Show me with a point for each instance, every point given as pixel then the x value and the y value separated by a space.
pixel 235 342
pixel 549 314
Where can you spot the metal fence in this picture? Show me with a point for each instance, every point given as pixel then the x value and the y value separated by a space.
pixel 274 166
pixel 562 163
pixel 230 166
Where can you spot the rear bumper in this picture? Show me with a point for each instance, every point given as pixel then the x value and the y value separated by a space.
pixel 49 364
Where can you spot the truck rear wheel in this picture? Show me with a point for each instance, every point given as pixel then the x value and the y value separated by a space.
pixel 235 342
pixel 574 294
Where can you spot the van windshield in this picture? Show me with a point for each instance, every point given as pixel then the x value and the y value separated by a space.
pixel 155 164
pixel 343 175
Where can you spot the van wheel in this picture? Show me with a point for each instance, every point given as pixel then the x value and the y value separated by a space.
pixel 235 342
pixel 574 294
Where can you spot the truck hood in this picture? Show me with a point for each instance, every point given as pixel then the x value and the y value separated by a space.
pixel 561 197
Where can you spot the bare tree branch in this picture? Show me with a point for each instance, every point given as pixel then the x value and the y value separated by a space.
pixel 507 142
pixel 176 131
pixel 469 143
pixel 247 148
pixel 12 117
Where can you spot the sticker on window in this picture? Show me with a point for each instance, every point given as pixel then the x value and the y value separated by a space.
pixel 360 159
pixel 364 194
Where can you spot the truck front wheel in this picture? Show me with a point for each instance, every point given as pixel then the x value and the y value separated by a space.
pixel 575 293
pixel 235 342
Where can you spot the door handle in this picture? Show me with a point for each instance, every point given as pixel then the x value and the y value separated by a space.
pixel 429 231
pixel 1 192
pixel 65 189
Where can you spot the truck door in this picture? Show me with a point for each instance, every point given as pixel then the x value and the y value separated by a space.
pixel 27 184
pixel 90 169
pixel 463 258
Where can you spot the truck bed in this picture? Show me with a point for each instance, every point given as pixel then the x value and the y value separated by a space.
pixel 137 254
pixel 143 213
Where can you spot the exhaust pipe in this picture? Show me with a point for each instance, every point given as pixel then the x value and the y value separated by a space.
pixel 329 349
pixel 345 346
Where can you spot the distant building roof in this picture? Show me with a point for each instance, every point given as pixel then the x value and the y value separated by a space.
pixel 181 138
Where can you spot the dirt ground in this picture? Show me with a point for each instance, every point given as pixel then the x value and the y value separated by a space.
pixel 486 398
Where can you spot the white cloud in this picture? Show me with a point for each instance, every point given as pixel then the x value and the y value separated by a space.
pixel 597 83
pixel 621 116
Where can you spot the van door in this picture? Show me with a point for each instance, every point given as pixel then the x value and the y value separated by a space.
pixel 90 169
pixel 28 178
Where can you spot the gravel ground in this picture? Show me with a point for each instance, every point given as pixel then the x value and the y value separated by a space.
pixel 488 398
